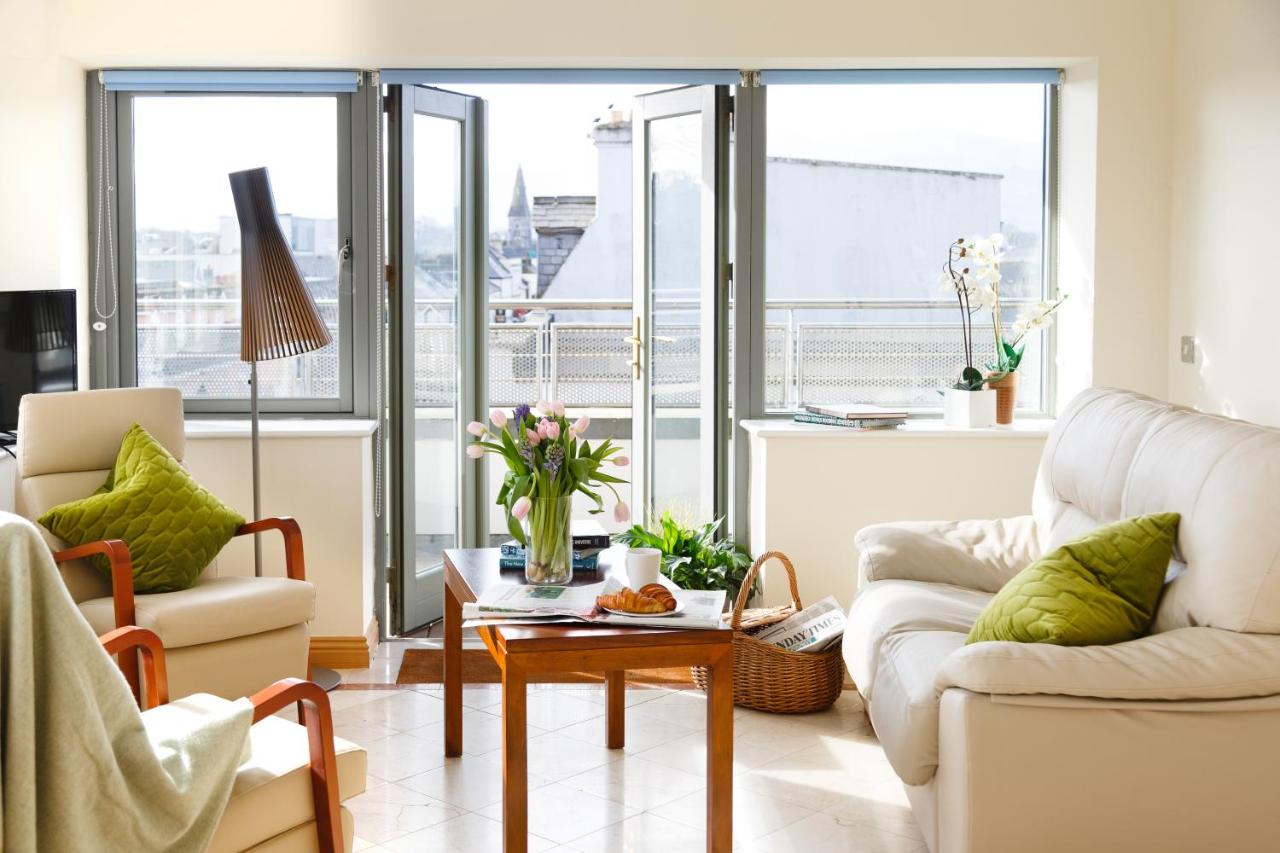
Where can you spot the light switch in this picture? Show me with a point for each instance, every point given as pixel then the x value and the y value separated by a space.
pixel 1188 349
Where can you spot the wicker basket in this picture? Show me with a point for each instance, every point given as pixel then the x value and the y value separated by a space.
pixel 769 678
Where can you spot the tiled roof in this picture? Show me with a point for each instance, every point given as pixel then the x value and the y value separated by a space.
pixel 563 212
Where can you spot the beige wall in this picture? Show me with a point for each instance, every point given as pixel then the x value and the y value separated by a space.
pixel 1115 193
pixel 1226 183
pixel 323 482
pixel 810 495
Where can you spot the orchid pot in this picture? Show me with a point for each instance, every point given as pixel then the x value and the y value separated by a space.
pixel 1006 388
pixel 969 409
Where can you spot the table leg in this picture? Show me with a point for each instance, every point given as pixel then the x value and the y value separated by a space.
pixel 515 784
pixel 452 673
pixel 615 688
pixel 720 754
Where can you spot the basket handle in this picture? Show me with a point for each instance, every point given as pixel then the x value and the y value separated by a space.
pixel 745 592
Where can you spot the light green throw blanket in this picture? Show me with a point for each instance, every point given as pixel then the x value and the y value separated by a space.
pixel 80 769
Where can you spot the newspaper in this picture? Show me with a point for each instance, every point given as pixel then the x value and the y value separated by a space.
pixel 522 604
pixel 816 628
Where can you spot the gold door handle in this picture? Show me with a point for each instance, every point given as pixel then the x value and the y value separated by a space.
pixel 636 342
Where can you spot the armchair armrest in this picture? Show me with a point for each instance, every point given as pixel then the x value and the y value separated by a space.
pixel 980 555
pixel 117 554
pixel 314 713
pixel 1178 665
pixel 152 651
pixel 294 565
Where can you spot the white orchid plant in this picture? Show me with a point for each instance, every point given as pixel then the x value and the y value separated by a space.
pixel 972 274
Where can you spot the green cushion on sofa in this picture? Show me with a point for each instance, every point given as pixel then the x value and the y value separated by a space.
pixel 173 527
pixel 1096 590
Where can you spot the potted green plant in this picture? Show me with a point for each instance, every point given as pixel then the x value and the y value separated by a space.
pixel 1003 377
pixel 692 557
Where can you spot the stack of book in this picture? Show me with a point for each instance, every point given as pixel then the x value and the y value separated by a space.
pixel 589 539
pixel 852 416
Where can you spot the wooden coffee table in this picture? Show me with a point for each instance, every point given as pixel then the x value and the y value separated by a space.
pixel 524 653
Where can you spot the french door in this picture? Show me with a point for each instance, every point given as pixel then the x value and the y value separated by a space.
pixel 437 249
pixel 679 338
pixel 444 340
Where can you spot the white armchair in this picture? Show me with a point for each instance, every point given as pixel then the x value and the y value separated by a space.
pixel 228 635
pixel 1167 742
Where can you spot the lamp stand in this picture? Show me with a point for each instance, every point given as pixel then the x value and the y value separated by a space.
pixel 321 675
pixel 253 440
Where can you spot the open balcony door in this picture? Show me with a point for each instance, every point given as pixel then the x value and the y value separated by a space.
pixel 681 295
pixel 437 284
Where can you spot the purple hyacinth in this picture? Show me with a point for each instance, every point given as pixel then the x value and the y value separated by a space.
pixel 555 458
pixel 521 413
pixel 525 451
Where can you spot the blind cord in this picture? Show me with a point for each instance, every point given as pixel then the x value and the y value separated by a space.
pixel 105 191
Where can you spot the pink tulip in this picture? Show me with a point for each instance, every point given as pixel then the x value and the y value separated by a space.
pixel 499 418
pixel 533 436
pixel 542 427
pixel 475 451
pixel 621 513
pixel 543 407
pixel 476 428
pixel 621 461
pixel 553 430
pixel 558 408
pixel 521 507
pixel 580 425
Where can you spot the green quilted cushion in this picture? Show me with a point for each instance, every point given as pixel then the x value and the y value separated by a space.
pixel 173 527
pixel 1096 590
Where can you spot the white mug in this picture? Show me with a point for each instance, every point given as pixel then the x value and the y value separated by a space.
pixel 643 566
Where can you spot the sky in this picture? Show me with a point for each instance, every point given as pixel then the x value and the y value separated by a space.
pixel 185 146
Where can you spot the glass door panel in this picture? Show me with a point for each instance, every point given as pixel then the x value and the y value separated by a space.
pixel 680 297
pixel 434 287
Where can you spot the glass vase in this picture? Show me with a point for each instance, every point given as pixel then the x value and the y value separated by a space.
pixel 549 556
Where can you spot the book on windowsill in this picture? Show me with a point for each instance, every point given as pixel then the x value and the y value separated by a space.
pixel 848 423
pixel 856 412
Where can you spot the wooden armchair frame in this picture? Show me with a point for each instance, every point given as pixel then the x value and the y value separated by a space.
pixel 313 712
pixel 117 554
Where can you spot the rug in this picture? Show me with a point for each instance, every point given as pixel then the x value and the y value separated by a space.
pixel 426 666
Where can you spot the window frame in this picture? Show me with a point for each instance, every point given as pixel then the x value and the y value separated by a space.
pixel 750 150
pixel 113 350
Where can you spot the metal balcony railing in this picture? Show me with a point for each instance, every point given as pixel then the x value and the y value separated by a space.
pixel 892 352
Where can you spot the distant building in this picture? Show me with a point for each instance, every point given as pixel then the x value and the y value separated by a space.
pixel 519 242
pixel 559 222
pixel 835 229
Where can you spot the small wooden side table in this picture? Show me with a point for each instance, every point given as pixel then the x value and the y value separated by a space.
pixel 525 652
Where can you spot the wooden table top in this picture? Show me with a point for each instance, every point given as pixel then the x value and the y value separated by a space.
pixel 471 571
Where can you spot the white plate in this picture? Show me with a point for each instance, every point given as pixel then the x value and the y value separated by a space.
pixel 679 607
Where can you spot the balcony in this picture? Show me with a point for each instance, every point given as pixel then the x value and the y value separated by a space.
pixel 891 352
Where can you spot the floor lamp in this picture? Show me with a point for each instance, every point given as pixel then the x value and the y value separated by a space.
pixel 278 317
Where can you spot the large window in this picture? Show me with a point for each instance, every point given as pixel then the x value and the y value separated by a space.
pixel 867 185
pixel 179 263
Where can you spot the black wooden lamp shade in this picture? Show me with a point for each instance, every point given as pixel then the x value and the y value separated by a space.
pixel 277 314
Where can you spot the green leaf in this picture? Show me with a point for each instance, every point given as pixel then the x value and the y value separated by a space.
pixel 516 529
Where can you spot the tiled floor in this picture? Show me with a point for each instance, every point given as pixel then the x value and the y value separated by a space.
pixel 816 783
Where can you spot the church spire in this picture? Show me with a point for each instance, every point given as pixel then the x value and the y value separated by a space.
pixel 519 201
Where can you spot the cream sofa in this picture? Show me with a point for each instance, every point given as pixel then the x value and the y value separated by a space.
pixel 1166 743
pixel 230 634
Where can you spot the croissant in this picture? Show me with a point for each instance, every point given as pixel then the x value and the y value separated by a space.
pixel 659 593
pixel 630 601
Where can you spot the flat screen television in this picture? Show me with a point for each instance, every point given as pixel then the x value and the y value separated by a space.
pixel 37 347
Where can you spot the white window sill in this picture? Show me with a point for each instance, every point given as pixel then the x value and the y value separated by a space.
pixel 913 428
pixel 282 428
